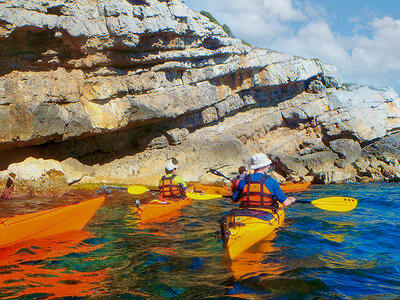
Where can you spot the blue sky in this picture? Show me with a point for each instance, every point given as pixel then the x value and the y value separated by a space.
pixel 360 37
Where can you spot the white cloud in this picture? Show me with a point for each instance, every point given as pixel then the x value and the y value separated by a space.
pixel 315 40
pixel 367 56
pixel 371 60
pixel 283 10
pixel 378 58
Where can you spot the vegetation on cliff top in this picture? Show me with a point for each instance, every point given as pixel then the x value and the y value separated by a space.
pixel 225 27
pixel 212 19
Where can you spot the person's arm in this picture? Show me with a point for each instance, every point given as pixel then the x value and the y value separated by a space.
pixel 280 196
pixel 181 182
pixel 237 193
pixel 233 187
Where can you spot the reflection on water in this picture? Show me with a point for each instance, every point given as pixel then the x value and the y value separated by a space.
pixel 33 267
pixel 256 261
pixel 316 254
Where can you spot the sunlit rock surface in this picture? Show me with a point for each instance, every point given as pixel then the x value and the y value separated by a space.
pixel 113 89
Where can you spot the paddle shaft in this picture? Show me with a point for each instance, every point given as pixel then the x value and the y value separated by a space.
pixel 303 201
pixel 215 172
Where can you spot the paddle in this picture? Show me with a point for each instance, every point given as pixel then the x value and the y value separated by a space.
pixel 340 204
pixel 215 172
pixel 140 189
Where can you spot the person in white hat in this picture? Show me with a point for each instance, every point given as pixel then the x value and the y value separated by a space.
pixel 172 185
pixel 259 189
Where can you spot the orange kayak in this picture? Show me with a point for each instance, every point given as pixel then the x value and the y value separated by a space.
pixel 155 209
pixel 226 191
pixel 209 189
pixel 295 187
pixel 47 222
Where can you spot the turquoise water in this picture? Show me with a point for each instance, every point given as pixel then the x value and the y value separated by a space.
pixel 316 254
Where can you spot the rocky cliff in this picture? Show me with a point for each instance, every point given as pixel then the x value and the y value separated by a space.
pixel 108 91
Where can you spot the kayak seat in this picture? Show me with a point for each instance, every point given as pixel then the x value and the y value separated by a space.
pixel 260 214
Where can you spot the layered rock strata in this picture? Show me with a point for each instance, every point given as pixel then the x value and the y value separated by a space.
pixel 113 89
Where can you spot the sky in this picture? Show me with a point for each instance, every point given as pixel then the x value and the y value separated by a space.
pixel 360 37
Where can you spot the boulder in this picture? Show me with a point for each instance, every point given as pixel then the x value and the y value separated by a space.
pixel 347 149
pixel 38 177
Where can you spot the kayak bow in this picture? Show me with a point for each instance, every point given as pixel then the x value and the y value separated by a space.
pixel 47 222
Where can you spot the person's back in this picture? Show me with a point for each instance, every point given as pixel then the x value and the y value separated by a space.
pixel 259 189
pixel 172 185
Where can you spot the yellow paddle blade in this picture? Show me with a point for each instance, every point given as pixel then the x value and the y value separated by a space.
pixel 137 189
pixel 335 203
pixel 202 196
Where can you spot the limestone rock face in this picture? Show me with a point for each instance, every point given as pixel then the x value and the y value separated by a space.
pixel 115 88
pixel 38 177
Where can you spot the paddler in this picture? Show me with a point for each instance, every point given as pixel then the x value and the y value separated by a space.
pixel 172 185
pixel 235 181
pixel 6 193
pixel 259 190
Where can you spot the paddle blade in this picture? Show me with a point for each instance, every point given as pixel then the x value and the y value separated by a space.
pixel 137 189
pixel 202 196
pixel 340 204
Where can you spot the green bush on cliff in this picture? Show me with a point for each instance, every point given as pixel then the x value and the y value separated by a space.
pixel 214 20
pixel 227 30
pixel 245 43
pixel 209 16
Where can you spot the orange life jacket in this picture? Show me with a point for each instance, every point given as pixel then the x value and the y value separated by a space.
pixel 170 189
pixel 255 194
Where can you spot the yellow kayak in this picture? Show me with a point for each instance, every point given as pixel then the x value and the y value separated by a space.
pixel 243 228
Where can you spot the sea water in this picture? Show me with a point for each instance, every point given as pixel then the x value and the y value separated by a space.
pixel 315 254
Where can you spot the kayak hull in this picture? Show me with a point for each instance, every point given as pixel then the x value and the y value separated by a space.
pixel 226 191
pixel 47 222
pixel 160 207
pixel 240 229
pixel 295 187
pixel 209 189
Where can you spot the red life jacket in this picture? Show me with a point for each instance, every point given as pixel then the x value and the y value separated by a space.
pixel 235 182
pixel 256 194
pixel 170 189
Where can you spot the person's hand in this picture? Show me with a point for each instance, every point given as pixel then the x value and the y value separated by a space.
pixel 289 201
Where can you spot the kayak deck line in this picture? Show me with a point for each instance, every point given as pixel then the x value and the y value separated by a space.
pixel 22 218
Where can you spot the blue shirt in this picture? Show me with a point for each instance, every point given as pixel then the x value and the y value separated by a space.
pixel 271 184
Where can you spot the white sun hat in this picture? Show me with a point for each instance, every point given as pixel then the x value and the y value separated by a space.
pixel 260 160
pixel 170 166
